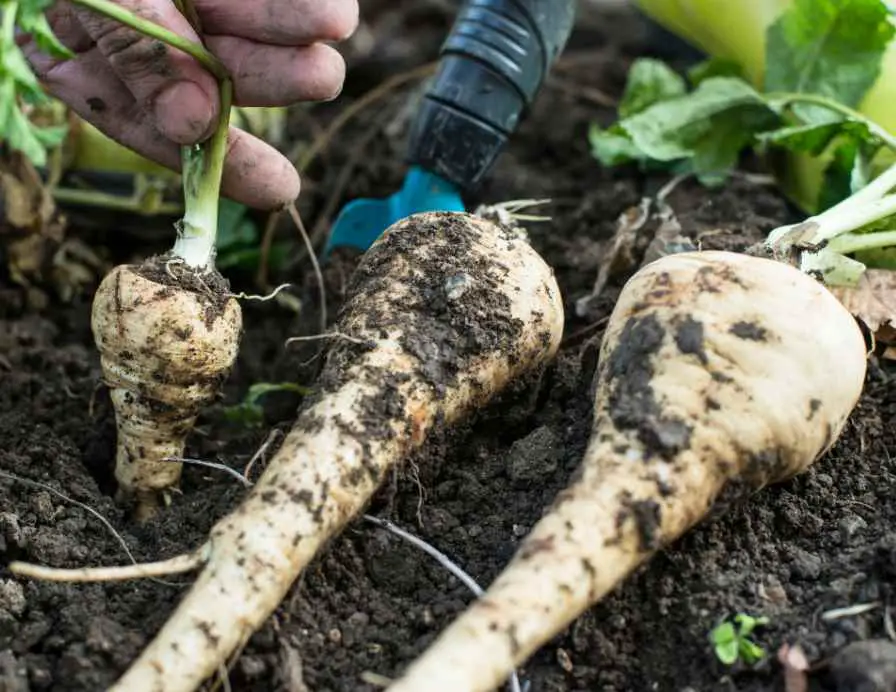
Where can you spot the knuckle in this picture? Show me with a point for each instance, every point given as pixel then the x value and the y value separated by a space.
pixel 133 54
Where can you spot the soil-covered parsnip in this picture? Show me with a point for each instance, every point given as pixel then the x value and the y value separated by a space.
pixel 168 335
pixel 443 312
pixel 719 373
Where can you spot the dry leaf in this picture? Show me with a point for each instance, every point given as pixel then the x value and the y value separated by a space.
pixel 873 301
pixel 618 249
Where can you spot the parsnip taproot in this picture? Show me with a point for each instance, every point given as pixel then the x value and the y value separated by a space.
pixel 719 373
pixel 167 338
pixel 444 311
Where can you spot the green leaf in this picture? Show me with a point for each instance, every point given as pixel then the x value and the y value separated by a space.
pixel 723 633
pixel 259 389
pixel 829 47
pixel 750 652
pixel 728 652
pixel 248 258
pixel 234 229
pixel 730 132
pixel 676 127
pixel 249 411
pixel 747 623
pixel 612 146
pixel 50 137
pixel 714 67
pixel 21 136
pixel 14 65
pixel 878 258
pixel 649 81
pixel 34 22
pixel 814 138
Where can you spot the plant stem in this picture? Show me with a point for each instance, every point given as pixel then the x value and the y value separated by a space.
pixel 9 22
pixel 203 163
pixel 149 28
pixel 855 242
pixel 787 98
pixel 203 167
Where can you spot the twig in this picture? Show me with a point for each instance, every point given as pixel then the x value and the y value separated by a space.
pixel 212 465
pixel 259 454
pixel 294 214
pixel 888 624
pixel 328 335
pixel 345 175
pixel 444 561
pixel 269 296
pixel 175 565
pixel 372 96
pixel 66 498
pixel 849 611
pixel 322 142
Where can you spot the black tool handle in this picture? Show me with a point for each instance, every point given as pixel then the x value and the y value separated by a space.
pixel 492 65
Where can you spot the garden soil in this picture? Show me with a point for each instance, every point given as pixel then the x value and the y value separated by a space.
pixel 797 553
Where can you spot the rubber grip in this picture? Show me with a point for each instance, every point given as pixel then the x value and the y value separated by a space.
pixel 492 65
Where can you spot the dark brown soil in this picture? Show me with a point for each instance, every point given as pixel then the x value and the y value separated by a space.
pixel 371 602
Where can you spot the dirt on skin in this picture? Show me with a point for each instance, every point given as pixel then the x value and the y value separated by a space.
pixel 371 602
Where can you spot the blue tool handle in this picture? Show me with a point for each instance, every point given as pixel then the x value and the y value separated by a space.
pixel 492 65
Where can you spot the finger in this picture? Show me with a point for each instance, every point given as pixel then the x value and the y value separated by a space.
pixel 255 174
pixel 68 29
pixel 177 90
pixel 284 22
pixel 265 75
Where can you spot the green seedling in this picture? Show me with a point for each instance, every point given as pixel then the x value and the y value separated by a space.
pixel 249 412
pixel 239 240
pixel 731 640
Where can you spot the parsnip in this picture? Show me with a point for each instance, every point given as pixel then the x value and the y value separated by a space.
pixel 444 311
pixel 719 373
pixel 165 347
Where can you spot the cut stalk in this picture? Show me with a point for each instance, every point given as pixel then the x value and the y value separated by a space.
pixel 203 168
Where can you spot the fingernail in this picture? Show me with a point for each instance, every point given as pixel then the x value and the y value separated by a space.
pixel 184 113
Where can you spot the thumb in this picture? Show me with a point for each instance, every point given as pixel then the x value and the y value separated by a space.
pixel 175 88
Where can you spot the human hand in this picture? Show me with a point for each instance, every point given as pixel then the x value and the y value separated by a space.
pixel 153 99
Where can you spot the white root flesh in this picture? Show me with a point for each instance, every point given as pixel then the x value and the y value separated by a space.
pixel 165 351
pixel 719 373
pixel 446 310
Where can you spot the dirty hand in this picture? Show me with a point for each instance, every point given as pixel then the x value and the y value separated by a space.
pixel 153 100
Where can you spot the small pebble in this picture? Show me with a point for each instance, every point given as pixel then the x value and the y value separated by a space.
pixel 564 660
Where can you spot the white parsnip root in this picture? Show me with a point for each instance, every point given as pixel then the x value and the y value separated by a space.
pixel 444 311
pixel 165 348
pixel 719 373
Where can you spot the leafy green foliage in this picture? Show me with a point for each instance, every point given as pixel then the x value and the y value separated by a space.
pixel 827 47
pixel 731 640
pixel 19 87
pixel 239 240
pixel 702 131
pixel 822 56
pixel 249 412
